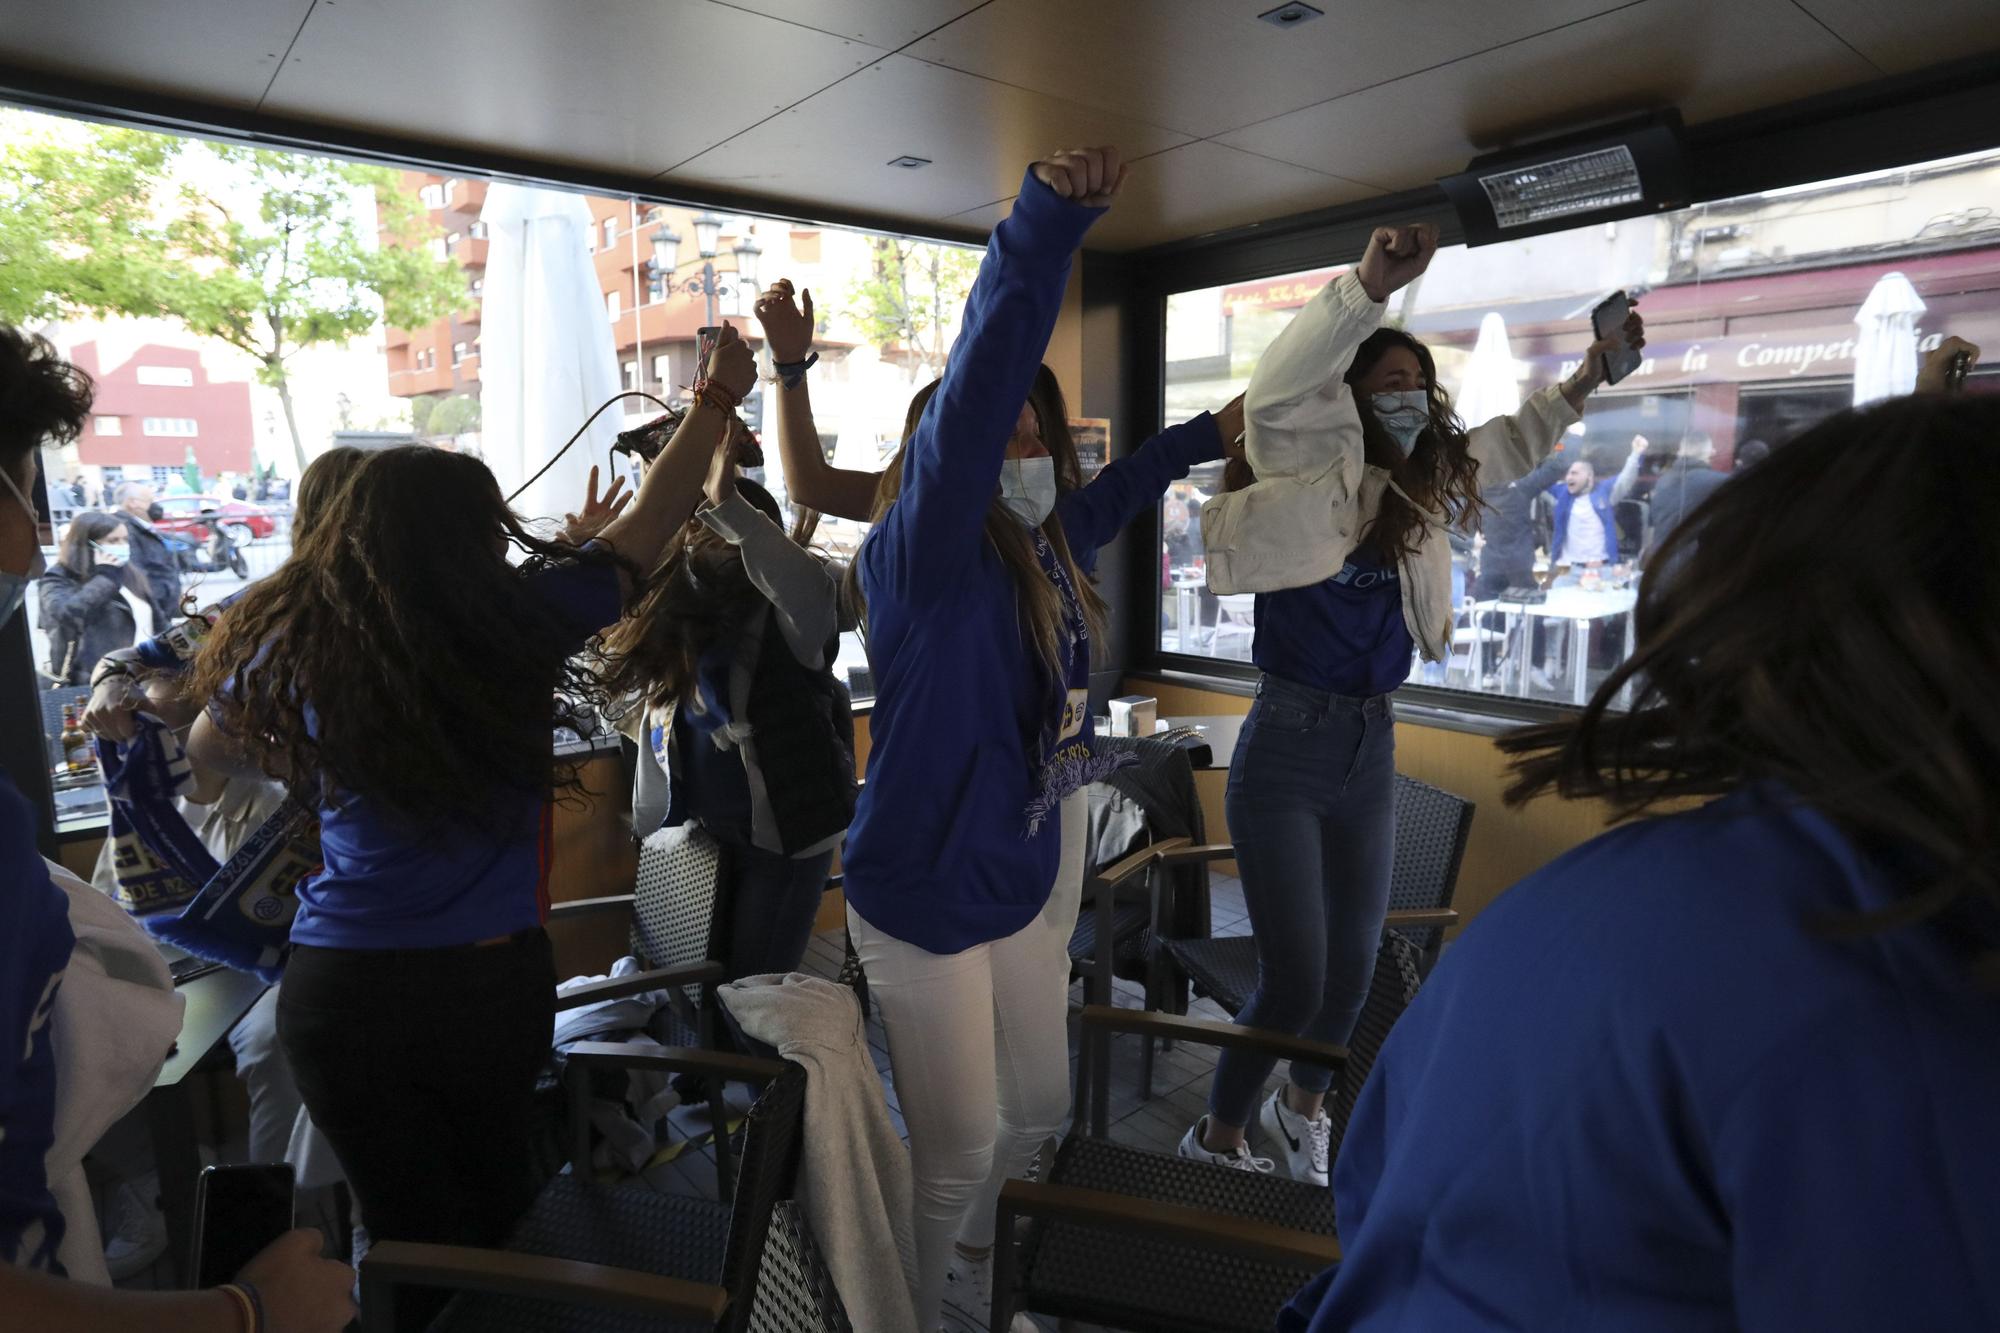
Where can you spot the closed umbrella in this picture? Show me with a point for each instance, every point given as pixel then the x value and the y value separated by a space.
pixel 546 356
pixel 1885 353
pixel 1492 384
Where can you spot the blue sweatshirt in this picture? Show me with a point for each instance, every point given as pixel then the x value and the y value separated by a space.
pixel 1641 1094
pixel 35 944
pixel 939 855
pixel 1131 486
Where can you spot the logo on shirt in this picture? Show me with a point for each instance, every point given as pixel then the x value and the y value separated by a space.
pixel 1362 577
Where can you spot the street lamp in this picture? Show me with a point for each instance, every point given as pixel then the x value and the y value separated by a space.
pixel 666 249
pixel 746 252
pixel 707 235
pixel 707 231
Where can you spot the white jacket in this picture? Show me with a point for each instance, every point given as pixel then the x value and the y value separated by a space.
pixel 1314 495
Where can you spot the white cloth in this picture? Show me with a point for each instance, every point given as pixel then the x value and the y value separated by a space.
pixel 854 1176
pixel 142 614
pixel 1299 521
pixel 1584 542
pixel 1885 353
pixel 116 1017
pixel 979 1043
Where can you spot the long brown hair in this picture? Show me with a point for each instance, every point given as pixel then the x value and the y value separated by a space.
pixel 400 623
pixel 1829 624
pixel 1439 473
pixel 1040 604
pixel 322 480
pixel 700 596
pixel 80 559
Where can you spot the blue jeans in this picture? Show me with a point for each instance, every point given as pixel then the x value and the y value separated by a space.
pixel 1312 809
pixel 775 900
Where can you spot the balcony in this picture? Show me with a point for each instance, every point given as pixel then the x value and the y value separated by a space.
pixel 471 252
pixel 394 338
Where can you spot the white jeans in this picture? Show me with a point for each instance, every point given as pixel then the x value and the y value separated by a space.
pixel 979 1046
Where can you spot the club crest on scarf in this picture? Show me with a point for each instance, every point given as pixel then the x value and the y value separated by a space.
pixel 1065 757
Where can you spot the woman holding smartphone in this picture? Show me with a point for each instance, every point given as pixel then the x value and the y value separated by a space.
pixel 1361 472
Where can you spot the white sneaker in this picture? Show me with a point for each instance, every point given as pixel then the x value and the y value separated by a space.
pixel 1540 679
pixel 1299 1146
pixel 135 1230
pixel 1240 1160
pixel 968 1298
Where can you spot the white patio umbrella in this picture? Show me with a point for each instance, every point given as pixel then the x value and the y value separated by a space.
pixel 1885 353
pixel 546 356
pixel 1492 384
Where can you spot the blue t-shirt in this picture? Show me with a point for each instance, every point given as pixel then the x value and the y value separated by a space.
pixel 391 884
pixel 1344 635
pixel 1643 1093
pixel 704 780
pixel 35 944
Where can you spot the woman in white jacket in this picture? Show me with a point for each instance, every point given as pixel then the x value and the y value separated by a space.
pixel 1360 468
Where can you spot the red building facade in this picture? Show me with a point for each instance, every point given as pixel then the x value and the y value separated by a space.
pixel 153 407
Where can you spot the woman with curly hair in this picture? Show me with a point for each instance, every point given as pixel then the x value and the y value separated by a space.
pixel 1731 1065
pixel 730 651
pixel 1356 472
pixel 404 674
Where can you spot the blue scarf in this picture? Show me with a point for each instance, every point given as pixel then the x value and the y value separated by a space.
pixel 1065 758
pixel 238 914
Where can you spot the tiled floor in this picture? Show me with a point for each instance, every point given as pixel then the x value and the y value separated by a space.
pixel 1180 1075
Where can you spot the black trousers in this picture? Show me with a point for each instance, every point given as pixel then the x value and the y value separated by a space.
pixel 419 1065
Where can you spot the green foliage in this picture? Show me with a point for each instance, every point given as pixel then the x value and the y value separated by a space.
pixel 421 408
pixel 912 296
pixel 455 415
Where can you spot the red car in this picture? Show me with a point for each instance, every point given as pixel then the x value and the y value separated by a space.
pixel 191 515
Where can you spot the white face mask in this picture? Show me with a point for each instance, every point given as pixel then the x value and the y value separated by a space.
pixel 1028 489
pixel 1404 415
pixel 14 587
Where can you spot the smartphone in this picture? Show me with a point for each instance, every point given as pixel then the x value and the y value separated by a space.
pixel 704 347
pixel 238 1210
pixel 1608 321
pixel 1955 373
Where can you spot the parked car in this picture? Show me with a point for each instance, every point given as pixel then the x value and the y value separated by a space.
pixel 191 515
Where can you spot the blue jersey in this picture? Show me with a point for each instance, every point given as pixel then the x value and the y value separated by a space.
pixel 1345 635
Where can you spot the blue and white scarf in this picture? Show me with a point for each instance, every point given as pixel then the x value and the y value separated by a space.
pixel 238 914
pixel 1065 757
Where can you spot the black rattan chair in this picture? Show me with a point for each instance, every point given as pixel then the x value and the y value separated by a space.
pixel 1140 1240
pixel 1432 826
pixel 621 1257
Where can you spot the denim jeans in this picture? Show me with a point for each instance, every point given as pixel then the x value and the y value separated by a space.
pixel 1311 807
pixel 419 1066
pixel 775 900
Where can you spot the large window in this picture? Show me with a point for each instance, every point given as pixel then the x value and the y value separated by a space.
pixel 1764 315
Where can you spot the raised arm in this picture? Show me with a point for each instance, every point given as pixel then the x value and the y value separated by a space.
pixel 1130 487
pixel 951 463
pixel 810 480
pixel 1628 476
pixel 673 483
pixel 1507 447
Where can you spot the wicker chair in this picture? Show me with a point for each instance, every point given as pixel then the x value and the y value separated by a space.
pixel 623 1258
pixel 1431 830
pixel 1140 1240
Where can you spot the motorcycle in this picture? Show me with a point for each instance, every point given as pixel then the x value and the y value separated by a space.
pixel 221 553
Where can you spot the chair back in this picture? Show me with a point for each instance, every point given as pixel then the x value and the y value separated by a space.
pixel 1431 828
pixel 767 1173
pixel 54 699
pixel 1390 992
pixel 795 1292
pixel 675 916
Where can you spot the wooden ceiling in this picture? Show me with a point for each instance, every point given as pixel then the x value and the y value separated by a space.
pixel 801 104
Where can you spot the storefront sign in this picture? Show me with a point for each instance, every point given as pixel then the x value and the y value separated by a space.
pixel 1780 354
pixel 1287 293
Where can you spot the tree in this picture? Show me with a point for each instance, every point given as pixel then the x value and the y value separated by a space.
pixel 270 254
pixel 421 408
pixel 912 296
pixel 455 415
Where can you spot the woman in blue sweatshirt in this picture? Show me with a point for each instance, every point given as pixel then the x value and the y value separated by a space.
pixel 1030 968
pixel 1732 1067
pixel 979 633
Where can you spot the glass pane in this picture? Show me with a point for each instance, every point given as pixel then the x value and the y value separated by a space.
pixel 1764 315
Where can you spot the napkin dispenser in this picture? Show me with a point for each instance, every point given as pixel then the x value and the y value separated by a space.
pixel 1134 715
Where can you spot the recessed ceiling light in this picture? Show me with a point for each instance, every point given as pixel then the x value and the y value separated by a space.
pixel 1291 16
pixel 909 163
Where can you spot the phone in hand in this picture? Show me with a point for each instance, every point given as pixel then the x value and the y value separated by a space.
pixel 1608 321
pixel 238 1210
pixel 1955 373
pixel 705 339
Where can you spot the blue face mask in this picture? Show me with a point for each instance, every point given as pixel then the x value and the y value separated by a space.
pixel 1404 415
pixel 14 587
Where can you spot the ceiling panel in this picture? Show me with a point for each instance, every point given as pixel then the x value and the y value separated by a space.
pixel 1206 66
pixel 1900 38
pixel 979 136
pixel 885 23
pixel 1202 187
pixel 629 85
pixel 218 50
pixel 1708 57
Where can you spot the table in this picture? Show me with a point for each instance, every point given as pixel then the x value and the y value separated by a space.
pixel 216 1002
pixel 1581 608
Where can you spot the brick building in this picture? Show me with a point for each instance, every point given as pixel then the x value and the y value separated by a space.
pixel 157 404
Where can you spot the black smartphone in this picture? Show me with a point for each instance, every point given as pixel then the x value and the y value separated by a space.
pixel 1608 321
pixel 1955 373
pixel 238 1210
